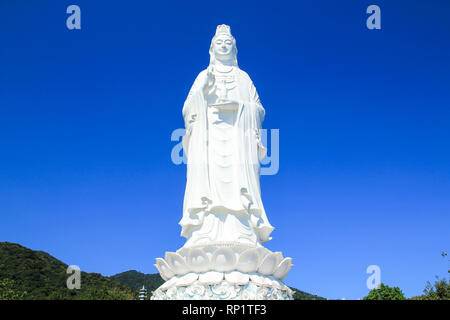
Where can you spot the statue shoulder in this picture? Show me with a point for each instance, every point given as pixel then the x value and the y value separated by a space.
pixel 201 75
pixel 198 79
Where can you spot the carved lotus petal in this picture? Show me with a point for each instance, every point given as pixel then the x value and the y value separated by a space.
pixel 166 285
pixel 176 263
pixel 164 269
pixel 269 263
pixel 198 261
pixel 263 252
pixel 223 260
pixel 283 268
pixel 183 251
pixel 236 277
pixel 186 280
pixel 248 260
pixel 211 277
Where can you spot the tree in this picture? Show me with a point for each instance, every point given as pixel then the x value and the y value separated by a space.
pixel 440 290
pixel 384 292
pixel 8 290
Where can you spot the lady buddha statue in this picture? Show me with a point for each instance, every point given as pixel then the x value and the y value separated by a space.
pixel 223 117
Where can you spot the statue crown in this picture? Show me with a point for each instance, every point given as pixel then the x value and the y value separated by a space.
pixel 223 29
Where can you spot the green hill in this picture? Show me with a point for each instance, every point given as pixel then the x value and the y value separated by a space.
pixel 135 280
pixel 36 275
pixel 302 295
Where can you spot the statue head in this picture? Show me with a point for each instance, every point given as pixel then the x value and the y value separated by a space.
pixel 223 46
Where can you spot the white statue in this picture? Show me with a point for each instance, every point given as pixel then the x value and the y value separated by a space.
pixel 223 216
pixel 223 117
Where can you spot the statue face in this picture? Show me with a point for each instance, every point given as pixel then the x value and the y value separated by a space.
pixel 223 47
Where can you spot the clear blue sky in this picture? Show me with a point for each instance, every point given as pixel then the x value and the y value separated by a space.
pixel 86 118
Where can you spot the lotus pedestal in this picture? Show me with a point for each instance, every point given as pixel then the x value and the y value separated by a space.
pixel 223 272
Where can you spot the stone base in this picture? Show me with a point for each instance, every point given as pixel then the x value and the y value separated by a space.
pixel 199 287
pixel 223 271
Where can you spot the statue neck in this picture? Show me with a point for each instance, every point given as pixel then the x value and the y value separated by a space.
pixel 223 66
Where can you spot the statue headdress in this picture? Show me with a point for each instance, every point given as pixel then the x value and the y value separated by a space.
pixel 220 30
pixel 223 29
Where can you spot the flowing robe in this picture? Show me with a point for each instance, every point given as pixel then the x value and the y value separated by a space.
pixel 202 197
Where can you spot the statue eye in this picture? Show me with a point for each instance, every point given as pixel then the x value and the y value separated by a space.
pixel 228 42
